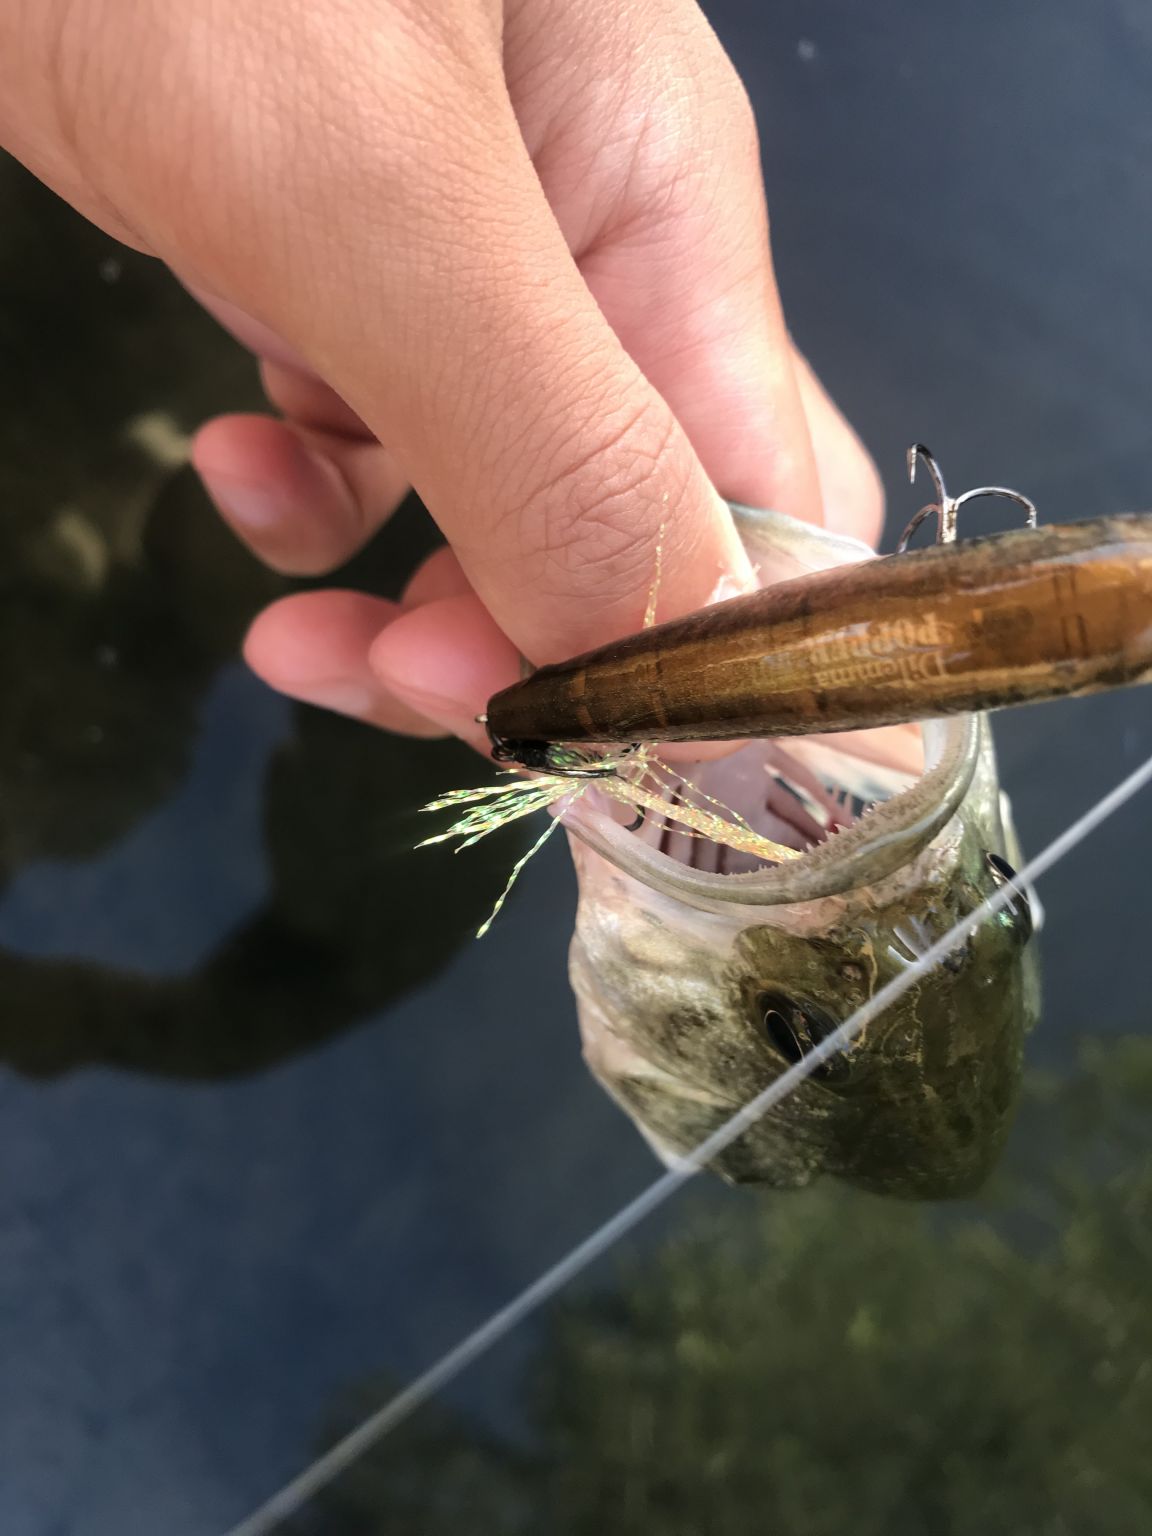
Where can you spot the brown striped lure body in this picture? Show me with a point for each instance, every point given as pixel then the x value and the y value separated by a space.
pixel 963 627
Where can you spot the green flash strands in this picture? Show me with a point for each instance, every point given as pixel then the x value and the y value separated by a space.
pixel 622 776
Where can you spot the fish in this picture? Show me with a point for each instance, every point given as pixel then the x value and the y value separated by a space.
pixel 701 973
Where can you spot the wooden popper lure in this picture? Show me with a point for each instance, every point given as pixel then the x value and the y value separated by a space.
pixel 962 627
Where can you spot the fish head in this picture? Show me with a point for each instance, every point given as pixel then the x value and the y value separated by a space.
pixel 921 1101
pixel 700 980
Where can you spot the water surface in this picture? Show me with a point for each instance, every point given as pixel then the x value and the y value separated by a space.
pixel 275 1131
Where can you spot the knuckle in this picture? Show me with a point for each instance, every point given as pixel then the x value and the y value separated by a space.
pixel 707 80
pixel 698 121
pixel 728 95
pixel 587 524
pixel 721 117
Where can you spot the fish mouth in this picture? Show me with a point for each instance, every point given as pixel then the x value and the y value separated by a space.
pixel 856 806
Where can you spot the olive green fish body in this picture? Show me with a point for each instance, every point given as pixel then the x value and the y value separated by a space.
pixel 687 1015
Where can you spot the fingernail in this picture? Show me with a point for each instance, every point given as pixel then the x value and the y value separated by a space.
pixel 244 502
pixel 434 705
pixel 452 715
pixel 340 696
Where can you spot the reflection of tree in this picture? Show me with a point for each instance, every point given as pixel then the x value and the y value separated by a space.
pixel 355 916
pixel 99 680
pixel 828 1363
pixel 436 1479
pixel 99 729
pixel 121 596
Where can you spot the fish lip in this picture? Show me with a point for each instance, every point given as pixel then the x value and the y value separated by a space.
pixel 764 531
pixel 870 849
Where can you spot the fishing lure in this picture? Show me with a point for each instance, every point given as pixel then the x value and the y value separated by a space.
pixel 956 629
pixel 959 628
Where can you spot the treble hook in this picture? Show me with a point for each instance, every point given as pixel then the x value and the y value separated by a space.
pixel 946 507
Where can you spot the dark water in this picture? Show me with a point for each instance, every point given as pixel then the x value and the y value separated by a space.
pixel 275 1132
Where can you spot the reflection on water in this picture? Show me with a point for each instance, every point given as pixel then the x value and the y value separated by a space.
pixel 343 924
pixel 271 1127
pixel 836 1363
pixel 134 756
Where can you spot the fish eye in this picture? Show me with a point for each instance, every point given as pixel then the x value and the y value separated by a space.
pixel 794 1027
pixel 1016 916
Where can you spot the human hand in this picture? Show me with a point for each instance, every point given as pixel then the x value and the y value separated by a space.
pixel 512 254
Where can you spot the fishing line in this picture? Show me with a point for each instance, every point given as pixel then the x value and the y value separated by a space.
pixel 327 1467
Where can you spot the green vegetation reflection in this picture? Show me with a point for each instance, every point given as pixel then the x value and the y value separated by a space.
pixel 828 1362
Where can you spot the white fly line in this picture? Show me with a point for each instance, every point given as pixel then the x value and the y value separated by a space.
pixel 295 1494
